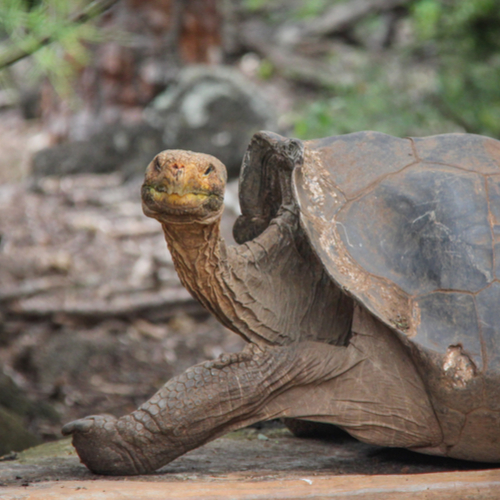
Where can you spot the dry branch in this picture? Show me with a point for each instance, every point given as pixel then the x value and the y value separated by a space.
pixel 255 35
pixel 344 15
pixel 94 9
pixel 30 287
pixel 128 305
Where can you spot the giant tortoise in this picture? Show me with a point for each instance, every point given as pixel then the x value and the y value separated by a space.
pixel 365 283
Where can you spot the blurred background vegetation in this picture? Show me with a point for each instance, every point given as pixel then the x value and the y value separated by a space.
pixel 55 33
pixel 444 77
pixel 402 67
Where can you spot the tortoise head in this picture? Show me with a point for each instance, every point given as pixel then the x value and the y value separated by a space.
pixel 182 186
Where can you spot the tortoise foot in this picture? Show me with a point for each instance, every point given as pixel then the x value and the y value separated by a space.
pixel 100 444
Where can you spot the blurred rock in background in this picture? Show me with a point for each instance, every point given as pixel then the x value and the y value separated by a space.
pixel 18 414
pixel 210 109
pixel 128 148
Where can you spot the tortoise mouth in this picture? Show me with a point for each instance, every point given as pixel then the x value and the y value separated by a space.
pixel 160 200
pixel 173 199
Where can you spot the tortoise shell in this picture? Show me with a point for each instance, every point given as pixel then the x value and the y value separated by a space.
pixel 409 227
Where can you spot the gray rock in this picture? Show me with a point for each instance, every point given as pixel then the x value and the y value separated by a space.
pixel 13 434
pixel 213 110
pixel 16 412
pixel 128 148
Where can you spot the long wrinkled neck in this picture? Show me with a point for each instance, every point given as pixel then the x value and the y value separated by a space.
pixel 266 290
pixel 193 247
pixel 195 250
pixel 199 256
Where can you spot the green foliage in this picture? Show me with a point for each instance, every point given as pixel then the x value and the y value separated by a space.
pixel 456 47
pixel 427 14
pixel 374 104
pixel 459 26
pixel 266 69
pixel 466 38
pixel 254 5
pixel 24 23
pixel 311 8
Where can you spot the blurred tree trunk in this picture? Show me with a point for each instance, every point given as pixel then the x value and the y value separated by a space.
pixel 160 36
pixel 200 36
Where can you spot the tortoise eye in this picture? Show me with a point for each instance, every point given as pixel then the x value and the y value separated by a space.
pixel 157 164
pixel 210 168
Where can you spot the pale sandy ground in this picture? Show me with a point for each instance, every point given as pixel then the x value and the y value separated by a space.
pixel 253 465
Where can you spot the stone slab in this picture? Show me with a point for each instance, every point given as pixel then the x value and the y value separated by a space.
pixel 443 486
pixel 256 464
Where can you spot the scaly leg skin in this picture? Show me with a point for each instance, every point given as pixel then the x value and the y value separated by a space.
pixel 204 402
pixel 375 401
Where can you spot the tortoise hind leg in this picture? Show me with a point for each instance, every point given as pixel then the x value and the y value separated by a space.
pixel 370 388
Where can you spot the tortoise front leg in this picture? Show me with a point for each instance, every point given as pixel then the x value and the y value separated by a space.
pixel 204 402
pixel 353 387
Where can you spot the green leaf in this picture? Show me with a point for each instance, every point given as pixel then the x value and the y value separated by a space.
pixel 427 14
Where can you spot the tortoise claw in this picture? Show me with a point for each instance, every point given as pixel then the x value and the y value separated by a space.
pixel 81 425
pixel 292 154
pixel 84 425
pixel 102 448
pixel 293 151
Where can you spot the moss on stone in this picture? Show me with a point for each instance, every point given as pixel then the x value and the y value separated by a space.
pixel 55 449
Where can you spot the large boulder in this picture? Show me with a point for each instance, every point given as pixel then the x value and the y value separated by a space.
pixel 13 434
pixel 213 110
pixel 16 413
pixel 127 148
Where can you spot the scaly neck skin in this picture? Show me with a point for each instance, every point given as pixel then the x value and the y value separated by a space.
pixel 265 290
pixel 199 255
pixel 193 247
